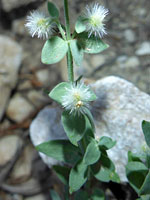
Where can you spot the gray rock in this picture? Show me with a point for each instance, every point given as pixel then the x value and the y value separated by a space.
pixel 23 167
pixel 19 108
pixel 10 4
pixel 144 49
pixel 36 197
pixel 47 126
pixel 128 62
pixel 8 148
pixel 37 98
pixel 129 36
pixel 11 57
pixel 118 112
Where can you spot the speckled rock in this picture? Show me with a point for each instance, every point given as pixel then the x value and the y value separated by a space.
pixel 10 60
pixel 10 4
pixel 19 108
pixel 8 148
pixel 46 126
pixel 144 49
pixel 118 112
pixel 23 167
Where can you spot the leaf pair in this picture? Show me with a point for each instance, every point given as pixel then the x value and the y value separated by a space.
pixel 138 172
pixel 95 161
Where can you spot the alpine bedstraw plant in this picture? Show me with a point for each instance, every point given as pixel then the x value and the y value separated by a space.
pixel 85 156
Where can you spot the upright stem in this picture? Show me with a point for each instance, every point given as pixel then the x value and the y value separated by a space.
pixel 67 18
pixel 69 54
pixel 70 65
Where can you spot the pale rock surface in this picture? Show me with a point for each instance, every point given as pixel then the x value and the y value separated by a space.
pixel 37 98
pixel 118 112
pixel 10 4
pixel 19 108
pixel 144 49
pixel 43 76
pixel 129 35
pixel 128 62
pixel 23 166
pixel 8 148
pixel 36 197
pixel 46 126
pixel 10 61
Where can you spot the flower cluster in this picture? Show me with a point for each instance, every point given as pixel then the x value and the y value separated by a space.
pixel 76 98
pixel 39 25
pixel 94 17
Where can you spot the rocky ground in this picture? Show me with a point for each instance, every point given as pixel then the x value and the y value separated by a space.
pixel 24 80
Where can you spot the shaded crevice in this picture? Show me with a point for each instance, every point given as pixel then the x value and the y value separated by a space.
pixel 6 18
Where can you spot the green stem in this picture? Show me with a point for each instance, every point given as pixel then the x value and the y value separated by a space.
pixel 67 18
pixel 61 30
pixel 70 65
pixel 69 54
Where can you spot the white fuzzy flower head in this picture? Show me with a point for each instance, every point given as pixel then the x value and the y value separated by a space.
pixel 76 98
pixel 95 17
pixel 39 25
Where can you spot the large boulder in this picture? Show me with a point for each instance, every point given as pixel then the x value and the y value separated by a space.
pixel 118 113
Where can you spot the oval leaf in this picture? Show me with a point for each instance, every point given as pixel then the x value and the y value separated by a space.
pixel 74 126
pixel 106 143
pixel 54 50
pixel 145 189
pixel 146 131
pixel 92 153
pixel 77 52
pixel 53 10
pixel 80 25
pixel 105 170
pixel 61 150
pixel 62 172
pixel 91 44
pixel 78 176
pixel 90 118
pixel 136 173
pixel 59 91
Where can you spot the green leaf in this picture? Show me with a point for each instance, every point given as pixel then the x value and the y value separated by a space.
pixel 90 118
pixel 98 194
pixel 144 197
pixel 91 44
pixel 53 10
pixel 136 172
pixel 74 126
pixel 61 150
pixel 81 195
pixel 62 172
pixel 133 157
pixel 54 195
pixel 59 91
pixel 146 131
pixel 92 153
pixel 78 176
pixel 145 188
pixel 77 52
pixel 106 143
pixel 80 25
pixel 105 170
pixel 54 50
